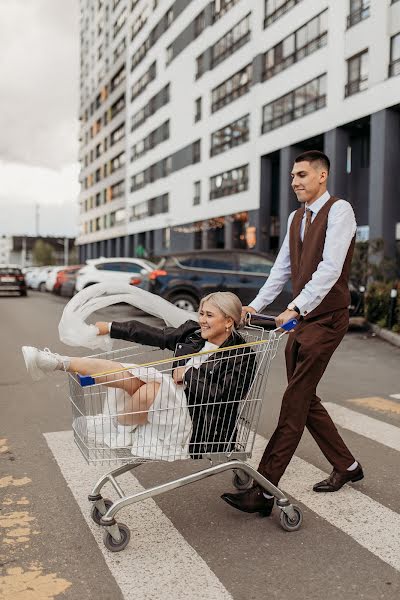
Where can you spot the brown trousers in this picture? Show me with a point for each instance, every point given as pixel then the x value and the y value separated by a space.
pixel 308 351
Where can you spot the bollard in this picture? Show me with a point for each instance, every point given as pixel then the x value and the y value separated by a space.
pixel 392 308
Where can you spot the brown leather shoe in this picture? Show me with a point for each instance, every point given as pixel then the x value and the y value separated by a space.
pixel 251 501
pixel 337 479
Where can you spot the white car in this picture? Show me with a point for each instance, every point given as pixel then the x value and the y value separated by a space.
pixel 135 271
pixel 51 278
pixel 38 279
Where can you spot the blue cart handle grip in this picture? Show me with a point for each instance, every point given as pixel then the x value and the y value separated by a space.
pixel 259 317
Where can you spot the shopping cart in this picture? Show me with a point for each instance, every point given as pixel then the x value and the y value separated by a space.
pixel 217 423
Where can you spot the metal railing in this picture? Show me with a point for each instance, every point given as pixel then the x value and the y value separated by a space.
pixel 358 15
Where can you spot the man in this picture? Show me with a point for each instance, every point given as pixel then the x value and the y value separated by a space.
pixel 316 254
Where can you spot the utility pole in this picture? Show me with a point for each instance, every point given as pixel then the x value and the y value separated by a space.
pixel 37 214
pixel 66 251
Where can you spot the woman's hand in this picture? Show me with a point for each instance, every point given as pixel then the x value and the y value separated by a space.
pixel 178 374
pixel 102 326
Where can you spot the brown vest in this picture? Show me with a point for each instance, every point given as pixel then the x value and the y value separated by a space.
pixel 305 258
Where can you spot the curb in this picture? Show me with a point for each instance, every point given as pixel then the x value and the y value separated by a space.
pixel 385 334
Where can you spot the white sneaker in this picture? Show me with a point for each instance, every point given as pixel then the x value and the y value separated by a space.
pixel 40 362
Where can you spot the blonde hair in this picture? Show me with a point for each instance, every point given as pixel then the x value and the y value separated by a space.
pixel 228 303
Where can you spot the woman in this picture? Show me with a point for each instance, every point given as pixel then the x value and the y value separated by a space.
pixel 214 384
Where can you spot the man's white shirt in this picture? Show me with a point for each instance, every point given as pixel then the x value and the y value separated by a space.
pixel 340 231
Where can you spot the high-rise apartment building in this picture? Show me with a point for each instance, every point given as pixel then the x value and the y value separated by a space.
pixel 192 112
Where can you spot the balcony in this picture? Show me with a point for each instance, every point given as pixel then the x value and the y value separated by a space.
pixel 394 68
pixel 358 15
pixel 353 87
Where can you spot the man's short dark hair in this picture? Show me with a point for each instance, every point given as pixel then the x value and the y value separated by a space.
pixel 313 156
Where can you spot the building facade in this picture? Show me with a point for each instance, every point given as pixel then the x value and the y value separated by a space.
pixel 192 112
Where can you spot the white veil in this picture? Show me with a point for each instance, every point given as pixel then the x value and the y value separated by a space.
pixel 74 330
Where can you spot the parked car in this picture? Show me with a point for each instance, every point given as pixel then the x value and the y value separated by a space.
pixel 117 270
pixel 62 275
pixel 30 275
pixel 51 278
pixel 38 279
pixel 184 278
pixel 12 280
pixel 67 287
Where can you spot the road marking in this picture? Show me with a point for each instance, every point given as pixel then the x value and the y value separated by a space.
pixel 369 523
pixel 395 396
pixel 158 558
pixel 381 432
pixel 157 547
pixel 378 404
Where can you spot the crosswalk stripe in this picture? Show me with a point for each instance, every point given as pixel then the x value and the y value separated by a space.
pixel 157 547
pixel 376 430
pixel 369 523
pixel 158 558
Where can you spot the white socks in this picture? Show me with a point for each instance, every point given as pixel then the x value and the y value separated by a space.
pixel 353 467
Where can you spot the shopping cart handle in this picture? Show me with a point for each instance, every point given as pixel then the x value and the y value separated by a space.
pixel 85 380
pixel 288 326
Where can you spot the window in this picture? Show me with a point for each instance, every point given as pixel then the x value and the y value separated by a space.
pixel 196 152
pixel 254 264
pixel 142 83
pixel 119 23
pixel 151 107
pixel 117 162
pixel 117 134
pixel 117 190
pixel 118 106
pixel 139 23
pixel 232 88
pixel 305 40
pixel 359 10
pixel 118 78
pixel 119 49
pixel 197 193
pixel 234 39
pixel 229 182
pixel 220 7
pixel 298 103
pixel 199 23
pixel 150 141
pixel 131 268
pixel 219 262
pixel 394 66
pixel 357 74
pixel 150 208
pixel 231 135
pixel 197 109
pixel 274 9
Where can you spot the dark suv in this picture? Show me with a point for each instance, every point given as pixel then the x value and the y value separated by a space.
pixel 12 280
pixel 186 277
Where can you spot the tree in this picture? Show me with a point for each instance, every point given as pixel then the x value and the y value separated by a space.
pixel 42 253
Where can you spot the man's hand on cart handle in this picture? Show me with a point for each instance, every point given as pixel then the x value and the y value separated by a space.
pixel 245 311
pixel 102 326
pixel 287 315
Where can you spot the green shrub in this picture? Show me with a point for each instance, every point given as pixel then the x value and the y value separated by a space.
pixel 377 303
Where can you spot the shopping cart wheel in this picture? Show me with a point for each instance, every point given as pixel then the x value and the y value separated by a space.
pixel 96 514
pixel 241 480
pixel 114 546
pixel 291 524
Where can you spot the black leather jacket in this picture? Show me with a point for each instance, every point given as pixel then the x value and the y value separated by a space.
pixel 214 390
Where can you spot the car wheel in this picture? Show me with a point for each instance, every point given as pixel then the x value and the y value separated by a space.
pixel 42 287
pixel 185 301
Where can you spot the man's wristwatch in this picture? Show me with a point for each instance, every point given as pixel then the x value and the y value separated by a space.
pixel 292 306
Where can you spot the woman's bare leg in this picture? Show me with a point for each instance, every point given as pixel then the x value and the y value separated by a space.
pixel 137 406
pixel 123 380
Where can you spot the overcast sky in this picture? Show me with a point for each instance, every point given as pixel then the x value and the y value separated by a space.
pixel 39 102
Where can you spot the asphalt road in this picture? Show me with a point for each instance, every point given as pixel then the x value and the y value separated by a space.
pixel 188 543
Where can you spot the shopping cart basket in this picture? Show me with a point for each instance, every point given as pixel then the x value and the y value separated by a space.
pixel 217 422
